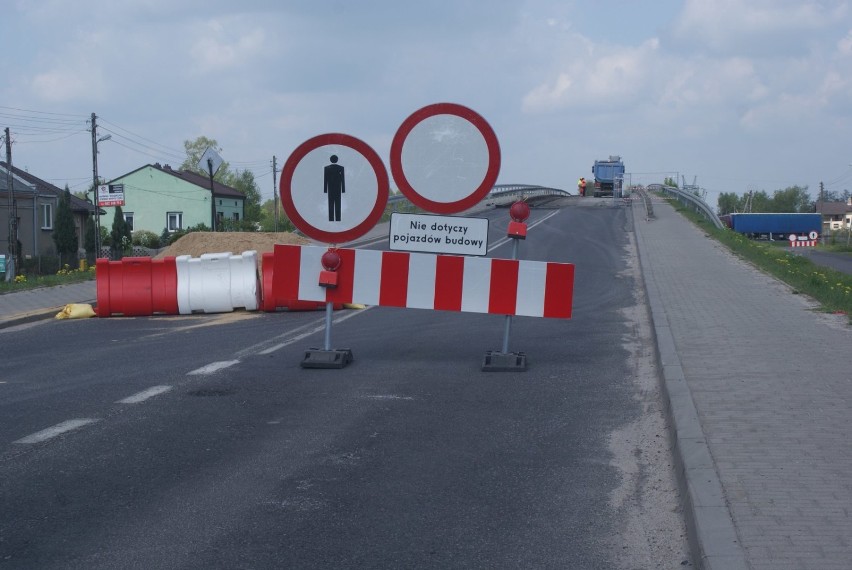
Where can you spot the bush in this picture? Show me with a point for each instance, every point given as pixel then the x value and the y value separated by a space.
pixel 40 265
pixel 174 236
pixel 146 238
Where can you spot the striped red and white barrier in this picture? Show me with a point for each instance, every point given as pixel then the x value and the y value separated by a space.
pixel 806 243
pixel 427 281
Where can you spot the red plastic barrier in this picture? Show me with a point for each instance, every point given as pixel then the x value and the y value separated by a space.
pixel 136 286
pixel 271 304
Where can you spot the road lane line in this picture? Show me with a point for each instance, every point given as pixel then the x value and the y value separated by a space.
pixel 56 430
pixel 213 367
pixel 506 240
pixel 144 395
pixel 313 331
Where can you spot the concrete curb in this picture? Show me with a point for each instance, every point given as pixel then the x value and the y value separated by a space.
pixel 712 537
pixel 29 317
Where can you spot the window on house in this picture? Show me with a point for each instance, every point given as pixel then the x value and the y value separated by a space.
pixel 174 221
pixel 128 217
pixel 46 216
pixel 236 216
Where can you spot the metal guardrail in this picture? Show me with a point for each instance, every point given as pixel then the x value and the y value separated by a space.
pixel 500 191
pixel 690 199
pixel 646 200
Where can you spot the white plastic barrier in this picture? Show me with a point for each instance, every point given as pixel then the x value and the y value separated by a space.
pixel 217 282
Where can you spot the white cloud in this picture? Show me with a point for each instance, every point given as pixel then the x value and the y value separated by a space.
pixel 747 25
pixel 844 46
pixel 217 49
pixel 589 78
pixel 59 85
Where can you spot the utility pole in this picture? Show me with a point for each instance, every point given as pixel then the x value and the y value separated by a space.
pixel 212 196
pixel 275 190
pixel 95 186
pixel 10 194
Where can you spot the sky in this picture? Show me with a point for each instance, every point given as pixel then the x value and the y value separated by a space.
pixel 738 95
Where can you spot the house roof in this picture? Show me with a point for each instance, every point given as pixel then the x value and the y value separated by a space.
pixel 44 187
pixel 833 208
pixel 20 185
pixel 219 189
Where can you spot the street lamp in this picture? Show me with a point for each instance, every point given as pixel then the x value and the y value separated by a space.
pixel 95 141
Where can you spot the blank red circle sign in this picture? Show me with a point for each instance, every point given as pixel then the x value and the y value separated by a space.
pixel 334 188
pixel 445 158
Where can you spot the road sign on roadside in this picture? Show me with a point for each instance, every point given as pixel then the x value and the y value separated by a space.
pixel 445 158
pixel 111 195
pixel 210 161
pixel 334 188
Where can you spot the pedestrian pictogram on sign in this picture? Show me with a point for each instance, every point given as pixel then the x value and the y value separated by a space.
pixel 334 188
pixel 445 158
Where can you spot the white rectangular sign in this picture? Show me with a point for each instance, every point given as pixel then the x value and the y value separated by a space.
pixel 453 235
pixel 112 195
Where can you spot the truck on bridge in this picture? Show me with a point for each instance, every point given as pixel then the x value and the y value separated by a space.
pixel 773 225
pixel 606 172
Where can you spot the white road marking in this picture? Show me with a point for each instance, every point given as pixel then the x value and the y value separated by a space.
pixel 213 367
pixel 506 240
pixel 312 331
pixel 144 395
pixel 56 430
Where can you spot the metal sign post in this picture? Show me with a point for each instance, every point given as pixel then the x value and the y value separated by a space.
pixel 211 161
pixel 328 357
pixel 505 361
pixel 334 188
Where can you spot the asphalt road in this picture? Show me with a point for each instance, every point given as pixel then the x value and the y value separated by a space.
pixel 200 442
pixel 835 260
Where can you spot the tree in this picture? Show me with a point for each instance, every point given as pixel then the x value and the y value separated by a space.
pixel 89 237
pixel 243 180
pixel 195 149
pixel 120 234
pixel 669 181
pixel 64 234
pixel 267 220
pixel 728 203
pixel 792 199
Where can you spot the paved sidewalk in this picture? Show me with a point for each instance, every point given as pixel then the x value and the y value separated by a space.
pixel 760 392
pixel 34 304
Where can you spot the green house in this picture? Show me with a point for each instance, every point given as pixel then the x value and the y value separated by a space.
pixel 156 197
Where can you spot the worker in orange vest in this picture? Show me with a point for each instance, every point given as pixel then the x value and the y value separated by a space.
pixel 581 186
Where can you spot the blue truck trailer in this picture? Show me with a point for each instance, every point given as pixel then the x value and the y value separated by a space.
pixel 606 172
pixel 774 226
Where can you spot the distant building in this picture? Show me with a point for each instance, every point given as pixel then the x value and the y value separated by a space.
pixel 158 197
pixel 35 205
pixel 835 215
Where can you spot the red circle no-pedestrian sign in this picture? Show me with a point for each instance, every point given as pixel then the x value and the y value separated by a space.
pixel 334 188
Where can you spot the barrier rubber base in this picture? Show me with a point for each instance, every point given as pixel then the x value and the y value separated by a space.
pixel 334 358
pixel 504 362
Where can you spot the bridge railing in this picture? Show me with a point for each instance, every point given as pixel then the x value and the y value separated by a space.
pixel 691 200
pixel 506 191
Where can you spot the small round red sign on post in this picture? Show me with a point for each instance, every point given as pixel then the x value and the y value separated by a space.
pixel 445 158
pixel 334 188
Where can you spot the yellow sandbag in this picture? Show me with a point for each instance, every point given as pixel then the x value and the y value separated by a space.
pixel 76 311
pixel 354 306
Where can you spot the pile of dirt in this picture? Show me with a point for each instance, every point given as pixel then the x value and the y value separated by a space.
pixel 198 243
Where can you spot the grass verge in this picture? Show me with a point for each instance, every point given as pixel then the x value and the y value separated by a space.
pixel 831 289
pixel 62 277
